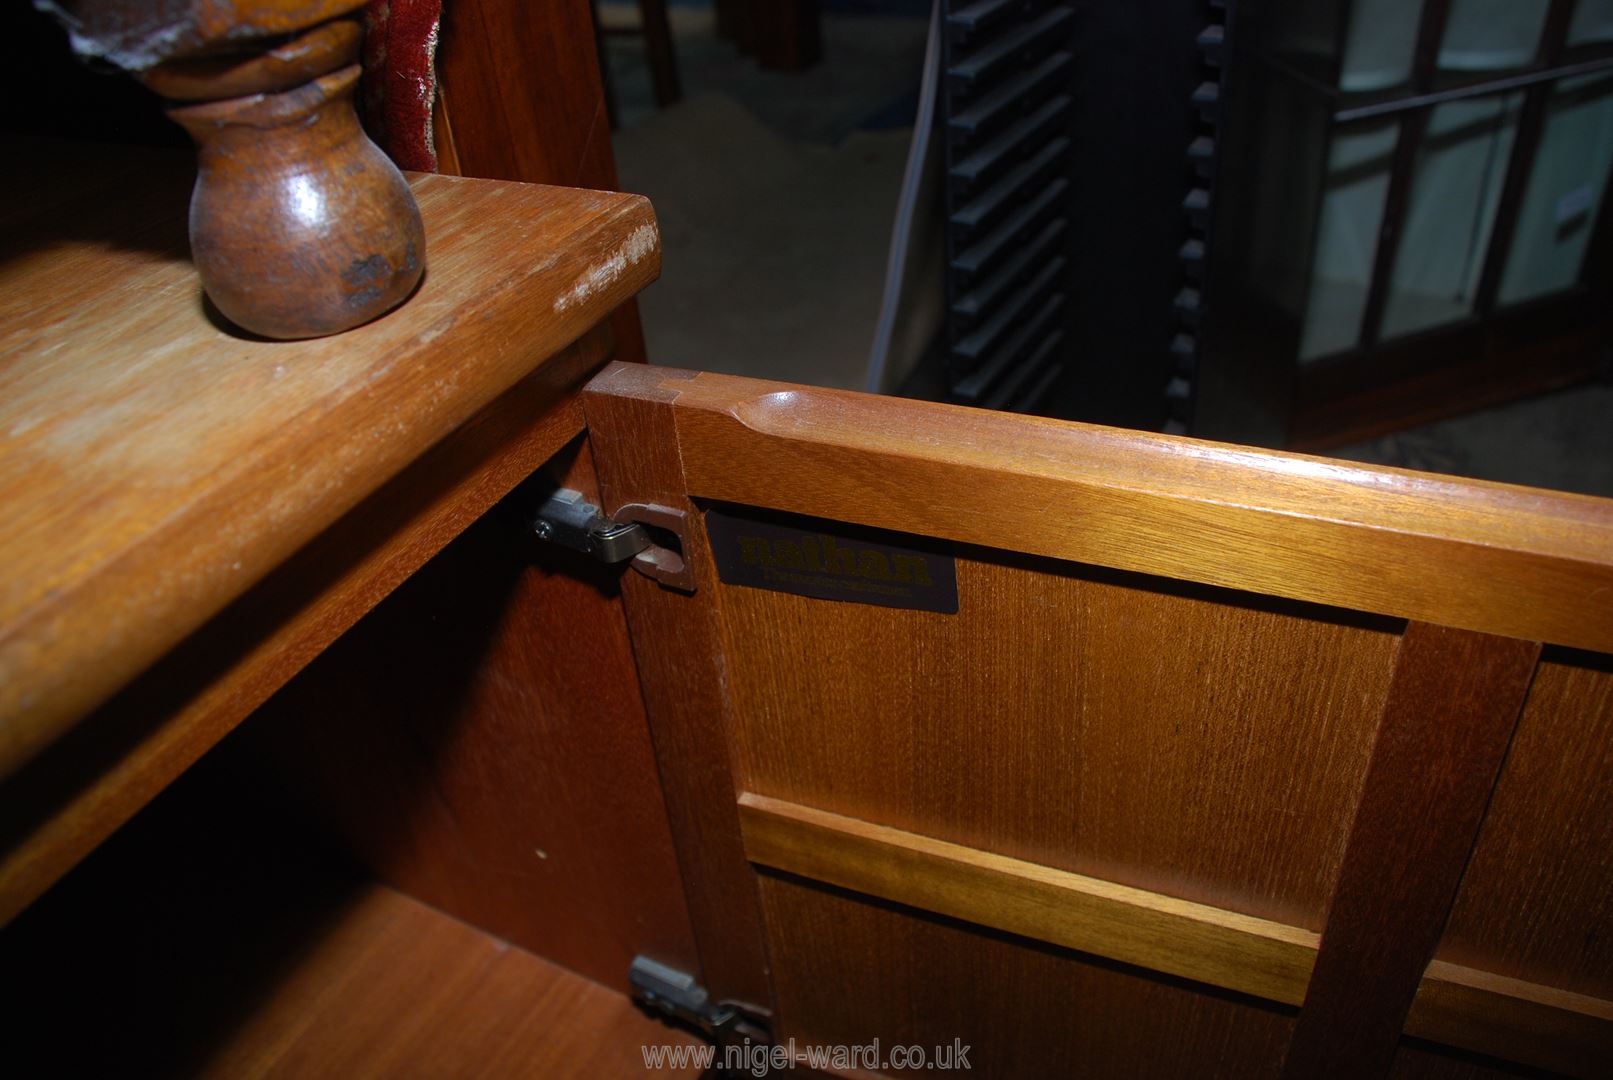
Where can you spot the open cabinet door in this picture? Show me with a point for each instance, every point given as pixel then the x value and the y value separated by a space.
pixel 1111 754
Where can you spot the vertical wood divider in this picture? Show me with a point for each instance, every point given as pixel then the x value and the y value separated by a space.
pixel 677 644
pixel 1453 704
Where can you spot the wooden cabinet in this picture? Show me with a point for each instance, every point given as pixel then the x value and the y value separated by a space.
pixel 1394 240
pixel 1211 761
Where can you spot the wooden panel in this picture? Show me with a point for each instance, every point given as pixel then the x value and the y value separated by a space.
pixel 207 939
pixel 522 89
pixel 1147 930
pixel 1002 764
pixel 395 987
pixel 676 644
pixel 158 465
pixel 1452 707
pixel 520 98
pixel 480 741
pixel 1109 724
pixel 1508 1018
pixel 851 971
pixel 1538 1025
pixel 1420 1061
pixel 87 784
pixel 1515 353
pixel 1489 557
pixel 1536 902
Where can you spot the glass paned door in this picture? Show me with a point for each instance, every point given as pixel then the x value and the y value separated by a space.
pixel 1566 183
pixel 1455 189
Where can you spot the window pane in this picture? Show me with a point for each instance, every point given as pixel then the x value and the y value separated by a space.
pixel 1380 44
pixel 1566 182
pixel 1488 35
pixel 1347 237
pixel 1593 23
pixel 1450 213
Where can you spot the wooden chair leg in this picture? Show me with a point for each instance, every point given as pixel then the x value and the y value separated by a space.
pixel 786 33
pixel 733 22
pixel 658 48
pixel 606 84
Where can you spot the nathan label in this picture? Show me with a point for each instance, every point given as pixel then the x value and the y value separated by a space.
pixel 832 561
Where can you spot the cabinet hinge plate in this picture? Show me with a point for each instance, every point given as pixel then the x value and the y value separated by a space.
pixel 652 537
pixel 677 994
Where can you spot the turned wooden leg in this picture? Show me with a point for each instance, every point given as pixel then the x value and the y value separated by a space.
pixel 299 225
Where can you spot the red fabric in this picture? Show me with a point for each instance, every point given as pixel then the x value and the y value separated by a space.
pixel 400 78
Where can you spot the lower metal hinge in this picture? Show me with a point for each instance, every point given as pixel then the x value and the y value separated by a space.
pixel 650 536
pixel 677 994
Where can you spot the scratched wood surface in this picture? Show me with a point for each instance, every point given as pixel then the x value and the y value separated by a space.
pixel 156 465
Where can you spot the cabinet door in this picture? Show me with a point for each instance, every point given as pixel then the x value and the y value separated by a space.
pixel 1105 753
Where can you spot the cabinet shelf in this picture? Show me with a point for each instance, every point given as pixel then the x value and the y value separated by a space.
pixel 213 509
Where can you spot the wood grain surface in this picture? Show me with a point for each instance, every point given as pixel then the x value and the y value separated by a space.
pixel 1109 724
pixel 852 971
pixel 522 91
pixel 1178 718
pixel 1157 935
pixel 1495 558
pixel 156 465
pixel 676 643
pixel 212 937
pixel 1453 704
pixel 395 988
pixel 215 936
pixel 519 97
pixel 71 797
pixel 1146 930
pixel 1539 1025
pixel 479 742
pixel 1536 902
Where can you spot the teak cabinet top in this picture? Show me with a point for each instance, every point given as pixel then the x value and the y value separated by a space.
pixel 155 465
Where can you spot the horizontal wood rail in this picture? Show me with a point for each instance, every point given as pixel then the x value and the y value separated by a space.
pixel 1495 558
pixel 1536 1025
pixel 1150 930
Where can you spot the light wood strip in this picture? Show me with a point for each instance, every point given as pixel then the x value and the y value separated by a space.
pixel 1509 1018
pixel 1495 558
pixel 155 465
pixel 1161 933
pixel 1453 703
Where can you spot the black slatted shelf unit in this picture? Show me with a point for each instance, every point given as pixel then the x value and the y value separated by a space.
pixel 1007 112
pixel 1203 154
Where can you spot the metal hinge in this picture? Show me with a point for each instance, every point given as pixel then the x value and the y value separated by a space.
pixel 677 994
pixel 650 536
